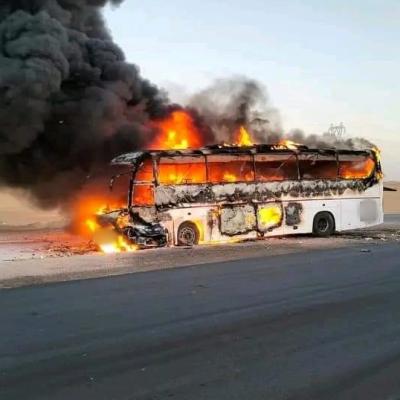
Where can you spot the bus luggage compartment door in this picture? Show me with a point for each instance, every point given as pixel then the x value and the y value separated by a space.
pixel 237 219
pixel 269 218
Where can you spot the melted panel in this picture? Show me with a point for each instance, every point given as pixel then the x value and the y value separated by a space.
pixel 269 216
pixel 237 220
pixel 293 213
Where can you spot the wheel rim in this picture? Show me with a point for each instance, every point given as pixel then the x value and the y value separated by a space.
pixel 187 236
pixel 323 225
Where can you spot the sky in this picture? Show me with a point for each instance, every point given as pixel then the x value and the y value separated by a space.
pixel 322 62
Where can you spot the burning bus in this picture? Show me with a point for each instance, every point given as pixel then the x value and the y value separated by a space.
pixel 226 193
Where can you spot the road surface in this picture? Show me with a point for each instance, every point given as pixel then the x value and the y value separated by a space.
pixel 313 325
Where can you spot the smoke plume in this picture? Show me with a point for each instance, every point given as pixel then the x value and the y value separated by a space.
pixel 68 99
pixel 230 103
pixel 69 102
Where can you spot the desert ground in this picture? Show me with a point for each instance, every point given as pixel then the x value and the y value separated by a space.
pixel 391 200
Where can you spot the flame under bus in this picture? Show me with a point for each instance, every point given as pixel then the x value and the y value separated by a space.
pixel 225 193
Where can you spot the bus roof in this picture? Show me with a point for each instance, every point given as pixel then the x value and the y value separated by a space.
pixel 138 156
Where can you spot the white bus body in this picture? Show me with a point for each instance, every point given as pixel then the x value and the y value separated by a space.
pixel 350 211
pixel 229 211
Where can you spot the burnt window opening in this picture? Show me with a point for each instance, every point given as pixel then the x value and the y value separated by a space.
pixel 318 166
pixel 142 195
pixel 182 170
pixel 228 168
pixel 119 186
pixel 275 167
pixel 355 166
pixel 145 172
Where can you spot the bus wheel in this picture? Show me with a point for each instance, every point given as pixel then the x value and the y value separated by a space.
pixel 324 224
pixel 188 234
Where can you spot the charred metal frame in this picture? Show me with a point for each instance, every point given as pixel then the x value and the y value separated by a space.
pixel 136 161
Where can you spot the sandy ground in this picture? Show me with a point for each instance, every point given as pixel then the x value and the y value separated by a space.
pixel 42 256
pixel 391 200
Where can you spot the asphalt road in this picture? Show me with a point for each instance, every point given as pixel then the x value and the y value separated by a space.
pixel 316 325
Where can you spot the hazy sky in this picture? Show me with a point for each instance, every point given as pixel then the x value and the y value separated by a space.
pixel 322 62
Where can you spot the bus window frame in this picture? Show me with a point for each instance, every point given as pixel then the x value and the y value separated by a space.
pixel 366 156
pixel 155 159
pixel 150 185
pixel 156 164
pixel 133 182
pixel 335 156
pixel 244 154
pixel 252 156
pixel 289 155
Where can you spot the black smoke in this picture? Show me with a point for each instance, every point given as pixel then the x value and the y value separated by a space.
pixel 69 101
pixel 230 103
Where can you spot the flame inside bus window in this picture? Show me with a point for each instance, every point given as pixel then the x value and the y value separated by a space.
pixel 145 172
pixel 143 195
pixel 318 166
pixel 355 166
pixel 276 167
pixel 182 170
pixel 230 168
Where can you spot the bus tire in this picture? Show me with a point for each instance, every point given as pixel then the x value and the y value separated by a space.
pixel 188 234
pixel 324 224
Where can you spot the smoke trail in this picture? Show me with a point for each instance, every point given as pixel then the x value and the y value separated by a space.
pixel 327 140
pixel 68 99
pixel 231 102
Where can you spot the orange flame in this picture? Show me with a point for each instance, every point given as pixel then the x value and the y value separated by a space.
pixel 176 132
pixel 243 137
pixel 377 154
pixel 107 238
pixel 287 144
pixel 360 169
pixel 85 224
pixel 229 177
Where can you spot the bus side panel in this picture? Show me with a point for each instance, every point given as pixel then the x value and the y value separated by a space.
pixel 363 210
pixel 361 213
pixel 270 218
pixel 197 215
pixel 309 208
pixel 206 218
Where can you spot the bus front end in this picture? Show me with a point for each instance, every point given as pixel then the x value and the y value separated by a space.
pixel 131 221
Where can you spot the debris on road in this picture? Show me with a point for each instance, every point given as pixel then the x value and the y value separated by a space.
pixel 67 250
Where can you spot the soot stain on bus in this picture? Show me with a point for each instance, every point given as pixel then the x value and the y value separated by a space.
pixel 293 213
pixel 209 205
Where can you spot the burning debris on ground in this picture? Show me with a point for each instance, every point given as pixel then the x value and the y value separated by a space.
pixel 55 249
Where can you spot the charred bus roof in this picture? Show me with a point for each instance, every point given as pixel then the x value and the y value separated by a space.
pixel 137 157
